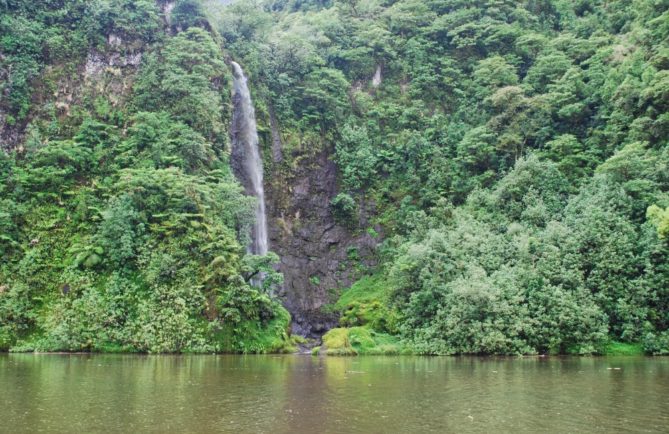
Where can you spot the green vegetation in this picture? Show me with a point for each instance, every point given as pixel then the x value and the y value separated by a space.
pixel 366 303
pixel 359 341
pixel 514 153
pixel 123 228
pixel 623 349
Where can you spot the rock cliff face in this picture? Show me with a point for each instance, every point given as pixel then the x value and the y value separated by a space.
pixel 319 256
pixel 108 72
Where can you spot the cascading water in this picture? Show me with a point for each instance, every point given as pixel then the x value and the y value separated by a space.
pixel 249 163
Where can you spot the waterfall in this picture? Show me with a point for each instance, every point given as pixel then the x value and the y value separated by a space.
pixel 376 80
pixel 249 163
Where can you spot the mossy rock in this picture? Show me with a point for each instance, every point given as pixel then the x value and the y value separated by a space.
pixel 365 303
pixel 359 341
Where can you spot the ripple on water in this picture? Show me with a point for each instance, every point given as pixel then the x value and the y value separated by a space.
pixel 113 393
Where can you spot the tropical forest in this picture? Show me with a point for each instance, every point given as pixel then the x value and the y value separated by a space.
pixel 336 177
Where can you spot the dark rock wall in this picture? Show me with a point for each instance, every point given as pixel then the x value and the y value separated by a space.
pixel 319 256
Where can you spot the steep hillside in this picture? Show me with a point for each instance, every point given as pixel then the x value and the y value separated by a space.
pixel 123 228
pixel 441 176
pixel 508 158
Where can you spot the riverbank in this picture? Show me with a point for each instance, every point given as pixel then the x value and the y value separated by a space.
pixel 355 341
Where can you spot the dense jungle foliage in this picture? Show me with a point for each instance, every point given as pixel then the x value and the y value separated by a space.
pixel 516 154
pixel 122 227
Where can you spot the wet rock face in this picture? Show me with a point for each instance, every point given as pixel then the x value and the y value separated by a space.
pixel 318 255
pixel 9 135
pixel 109 73
pixel 167 7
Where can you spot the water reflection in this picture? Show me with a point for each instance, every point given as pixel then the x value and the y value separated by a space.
pixel 287 394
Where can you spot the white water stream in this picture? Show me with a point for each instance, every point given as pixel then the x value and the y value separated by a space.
pixel 245 138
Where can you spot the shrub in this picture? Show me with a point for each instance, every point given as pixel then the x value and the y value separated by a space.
pixel 343 208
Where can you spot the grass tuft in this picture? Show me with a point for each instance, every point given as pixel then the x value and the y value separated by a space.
pixel 623 349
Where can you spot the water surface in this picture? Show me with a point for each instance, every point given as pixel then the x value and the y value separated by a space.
pixel 303 394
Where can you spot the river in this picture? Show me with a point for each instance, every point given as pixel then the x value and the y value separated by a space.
pixel 304 394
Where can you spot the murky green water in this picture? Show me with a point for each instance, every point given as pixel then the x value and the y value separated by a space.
pixel 301 394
